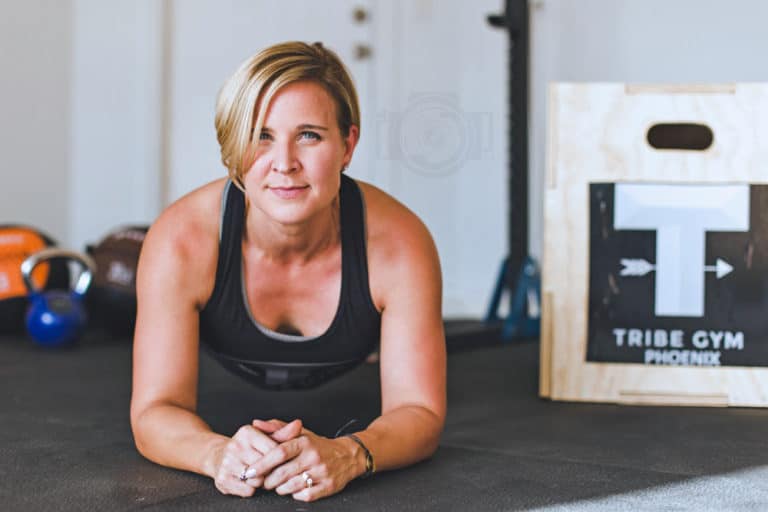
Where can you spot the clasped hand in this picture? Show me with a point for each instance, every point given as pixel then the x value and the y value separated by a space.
pixel 285 457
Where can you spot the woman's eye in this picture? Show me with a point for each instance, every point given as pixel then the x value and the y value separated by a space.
pixel 310 135
pixel 265 136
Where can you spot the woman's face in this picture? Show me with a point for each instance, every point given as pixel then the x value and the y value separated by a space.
pixel 299 156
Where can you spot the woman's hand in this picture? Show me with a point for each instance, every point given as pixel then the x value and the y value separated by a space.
pixel 235 459
pixel 309 466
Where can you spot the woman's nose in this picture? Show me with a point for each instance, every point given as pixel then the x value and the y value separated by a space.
pixel 284 160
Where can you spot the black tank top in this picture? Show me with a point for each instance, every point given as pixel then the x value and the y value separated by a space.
pixel 275 360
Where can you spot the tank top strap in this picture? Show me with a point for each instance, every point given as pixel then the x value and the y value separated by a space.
pixel 230 236
pixel 354 252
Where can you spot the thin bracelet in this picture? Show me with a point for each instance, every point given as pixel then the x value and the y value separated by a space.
pixel 370 465
pixel 344 427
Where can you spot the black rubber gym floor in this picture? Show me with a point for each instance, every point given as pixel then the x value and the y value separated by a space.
pixel 65 441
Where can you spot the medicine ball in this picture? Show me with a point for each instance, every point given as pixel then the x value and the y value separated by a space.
pixel 17 242
pixel 112 298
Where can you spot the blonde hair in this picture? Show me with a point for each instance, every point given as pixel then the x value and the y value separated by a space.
pixel 255 83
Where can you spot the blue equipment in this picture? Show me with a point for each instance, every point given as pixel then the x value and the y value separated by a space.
pixel 56 317
pixel 523 318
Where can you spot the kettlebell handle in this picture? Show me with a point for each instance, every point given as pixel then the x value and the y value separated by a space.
pixel 83 282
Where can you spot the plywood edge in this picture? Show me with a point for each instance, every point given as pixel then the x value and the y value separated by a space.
pixel 550 154
pixel 680 88
pixel 642 397
pixel 655 385
pixel 743 387
pixel 639 397
pixel 652 400
pixel 545 349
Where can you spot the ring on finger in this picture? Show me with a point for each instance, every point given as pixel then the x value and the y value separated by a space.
pixel 307 479
pixel 243 476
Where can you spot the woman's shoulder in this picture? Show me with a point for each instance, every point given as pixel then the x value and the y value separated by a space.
pixel 184 238
pixel 400 249
pixel 191 219
pixel 394 232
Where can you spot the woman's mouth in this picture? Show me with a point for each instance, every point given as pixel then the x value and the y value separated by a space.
pixel 289 192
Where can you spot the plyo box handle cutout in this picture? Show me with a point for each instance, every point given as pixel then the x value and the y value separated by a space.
pixel 680 136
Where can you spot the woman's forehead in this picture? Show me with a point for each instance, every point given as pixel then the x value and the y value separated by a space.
pixel 306 102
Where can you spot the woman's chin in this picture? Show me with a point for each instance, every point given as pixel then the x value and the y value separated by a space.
pixel 292 211
pixel 289 216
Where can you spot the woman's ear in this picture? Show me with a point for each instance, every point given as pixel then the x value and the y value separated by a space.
pixel 350 142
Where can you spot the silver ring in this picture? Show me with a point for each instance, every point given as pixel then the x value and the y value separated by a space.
pixel 307 479
pixel 242 476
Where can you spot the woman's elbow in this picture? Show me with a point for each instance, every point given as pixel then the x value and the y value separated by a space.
pixel 139 429
pixel 437 424
pixel 138 439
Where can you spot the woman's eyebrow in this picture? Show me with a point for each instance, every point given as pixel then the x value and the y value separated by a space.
pixel 299 128
pixel 311 127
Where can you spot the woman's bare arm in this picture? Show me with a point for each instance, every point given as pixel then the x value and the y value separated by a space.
pixel 175 277
pixel 406 285
pixel 413 356
pixel 165 367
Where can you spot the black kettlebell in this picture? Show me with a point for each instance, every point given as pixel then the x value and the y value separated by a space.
pixel 56 317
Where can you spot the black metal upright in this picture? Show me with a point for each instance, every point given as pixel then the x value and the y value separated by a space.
pixel 515 20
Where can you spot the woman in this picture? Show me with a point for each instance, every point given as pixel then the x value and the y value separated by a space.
pixel 288 262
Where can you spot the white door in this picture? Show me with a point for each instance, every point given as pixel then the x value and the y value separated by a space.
pixel 211 39
pixel 441 134
pixel 433 99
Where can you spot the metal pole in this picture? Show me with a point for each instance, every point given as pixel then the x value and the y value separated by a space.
pixel 516 21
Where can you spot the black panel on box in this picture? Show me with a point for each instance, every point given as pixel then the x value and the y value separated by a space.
pixel 623 326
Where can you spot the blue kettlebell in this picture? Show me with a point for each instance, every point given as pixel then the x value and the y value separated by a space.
pixel 56 317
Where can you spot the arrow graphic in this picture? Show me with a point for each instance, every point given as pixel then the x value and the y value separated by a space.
pixel 640 267
pixel 636 267
pixel 721 268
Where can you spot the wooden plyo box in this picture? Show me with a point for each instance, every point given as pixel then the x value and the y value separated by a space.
pixel 655 267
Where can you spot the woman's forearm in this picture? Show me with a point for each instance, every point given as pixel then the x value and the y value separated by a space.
pixel 175 437
pixel 402 436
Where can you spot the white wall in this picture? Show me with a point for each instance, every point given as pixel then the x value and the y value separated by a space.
pixel 82 100
pixel 79 100
pixel 129 124
pixel 688 41
pixel 35 78
pixel 210 39
pixel 440 132
pixel 115 116
pixel 432 97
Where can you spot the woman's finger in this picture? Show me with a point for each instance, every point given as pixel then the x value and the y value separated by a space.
pixel 290 431
pixel 243 452
pixel 248 436
pixel 249 477
pixel 297 483
pixel 268 427
pixel 284 473
pixel 317 491
pixel 228 478
pixel 239 488
pixel 246 453
pixel 280 455
pixel 279 430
